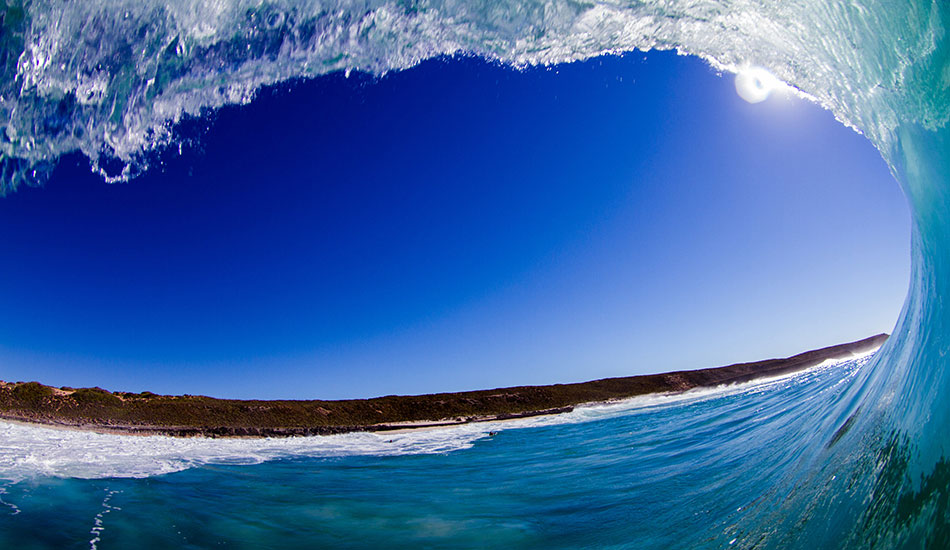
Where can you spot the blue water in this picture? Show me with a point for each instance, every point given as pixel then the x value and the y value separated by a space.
pixel 653 472
pixel 856 457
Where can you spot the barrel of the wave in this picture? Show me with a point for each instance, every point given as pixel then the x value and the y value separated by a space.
pixel 877 474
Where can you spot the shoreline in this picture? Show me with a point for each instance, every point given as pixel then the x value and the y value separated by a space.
pixel 388 428
pixel 100 411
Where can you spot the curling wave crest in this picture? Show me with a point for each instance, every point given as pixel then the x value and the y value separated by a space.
pixel 110 79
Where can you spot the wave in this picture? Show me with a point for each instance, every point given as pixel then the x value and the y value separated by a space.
pixel 112 79
pixel 32 451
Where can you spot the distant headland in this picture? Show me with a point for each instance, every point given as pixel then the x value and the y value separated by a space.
pixel 98 410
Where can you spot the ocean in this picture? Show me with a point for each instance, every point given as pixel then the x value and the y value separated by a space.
pixel 700 469
pixel 852 455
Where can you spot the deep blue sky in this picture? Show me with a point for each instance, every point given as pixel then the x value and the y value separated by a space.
pixel 456 226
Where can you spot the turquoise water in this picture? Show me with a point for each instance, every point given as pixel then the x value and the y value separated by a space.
pixel 654 472
pixel 855 458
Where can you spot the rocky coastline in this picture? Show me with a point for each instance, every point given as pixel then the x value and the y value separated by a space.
pixel 98 410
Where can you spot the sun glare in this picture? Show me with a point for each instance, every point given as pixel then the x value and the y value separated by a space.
pixel 755 84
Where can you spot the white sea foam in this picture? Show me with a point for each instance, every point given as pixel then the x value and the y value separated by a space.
pixel 110 78
pixel 14 509
pixel 98 527
pixel 35 451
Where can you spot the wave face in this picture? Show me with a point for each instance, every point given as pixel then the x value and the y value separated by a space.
pixel 111 79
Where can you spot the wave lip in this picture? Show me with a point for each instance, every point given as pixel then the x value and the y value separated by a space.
pixel 111 79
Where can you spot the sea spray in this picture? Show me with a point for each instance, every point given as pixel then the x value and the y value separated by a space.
pixel 110 79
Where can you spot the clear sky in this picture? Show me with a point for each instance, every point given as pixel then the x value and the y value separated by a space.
pixel 459 225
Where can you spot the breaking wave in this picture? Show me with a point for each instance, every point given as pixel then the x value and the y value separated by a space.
pixel 112 79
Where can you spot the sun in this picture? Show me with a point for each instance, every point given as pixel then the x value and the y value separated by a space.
pixel 755 84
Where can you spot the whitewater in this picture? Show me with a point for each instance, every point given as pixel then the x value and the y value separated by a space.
pixel 856 457
pixel 390 489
